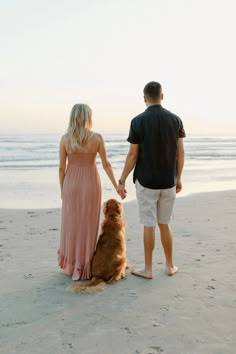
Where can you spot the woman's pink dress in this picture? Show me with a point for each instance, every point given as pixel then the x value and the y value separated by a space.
pixel 81 204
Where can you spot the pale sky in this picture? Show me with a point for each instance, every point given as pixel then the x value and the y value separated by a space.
pixel 55 53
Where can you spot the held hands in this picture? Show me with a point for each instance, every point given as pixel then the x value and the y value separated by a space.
pixel 121 190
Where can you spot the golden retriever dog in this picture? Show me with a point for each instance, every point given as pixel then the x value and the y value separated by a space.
pixel 109 260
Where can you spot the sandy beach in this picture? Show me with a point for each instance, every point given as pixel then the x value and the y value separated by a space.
pixel 191 312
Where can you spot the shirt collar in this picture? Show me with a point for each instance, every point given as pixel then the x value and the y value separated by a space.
pixel 153 106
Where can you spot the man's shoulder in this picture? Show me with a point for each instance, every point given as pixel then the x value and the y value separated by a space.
pixel 169 113
pixel 139 116
pixel 138 119
pixel 177 121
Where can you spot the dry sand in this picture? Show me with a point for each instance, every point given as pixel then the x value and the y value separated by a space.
pixel 191 312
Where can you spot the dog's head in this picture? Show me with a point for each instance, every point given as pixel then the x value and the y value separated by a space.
pixel 112 208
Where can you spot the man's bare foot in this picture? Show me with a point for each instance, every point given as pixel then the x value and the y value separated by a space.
pixel 171 270
pixel 142 273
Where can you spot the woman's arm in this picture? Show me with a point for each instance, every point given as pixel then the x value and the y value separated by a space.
pixel 105 163
pixel 62 163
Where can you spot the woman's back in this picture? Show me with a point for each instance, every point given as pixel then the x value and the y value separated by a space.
pixel 91 146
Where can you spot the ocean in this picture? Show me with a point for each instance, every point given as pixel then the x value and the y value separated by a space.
pixel 29 168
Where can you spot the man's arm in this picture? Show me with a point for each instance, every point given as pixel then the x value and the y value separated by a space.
pixel 180 164
pixel 130 162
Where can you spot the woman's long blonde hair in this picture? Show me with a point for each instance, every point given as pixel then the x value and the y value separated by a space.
pixel 80 124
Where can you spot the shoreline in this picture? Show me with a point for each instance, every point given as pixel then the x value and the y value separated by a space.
pixel 124 202
pixel 191 312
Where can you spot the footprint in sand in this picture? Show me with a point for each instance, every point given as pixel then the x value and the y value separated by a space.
pixel 27 276
pixel 156 324
pixel 164 309
pixel 70 345
pixel 158 349
pixel 151 350
pixel 128 331
pixel 15 324
pixel 133 293
pixel 210 287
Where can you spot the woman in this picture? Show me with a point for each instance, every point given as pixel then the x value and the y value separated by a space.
pixel 81 192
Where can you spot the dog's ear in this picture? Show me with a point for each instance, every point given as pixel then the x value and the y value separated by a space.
pixel 104 208
pixel 119 209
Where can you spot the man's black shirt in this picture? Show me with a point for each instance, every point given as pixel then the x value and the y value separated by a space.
pixel 157 131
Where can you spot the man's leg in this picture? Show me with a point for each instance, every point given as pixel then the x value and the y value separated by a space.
pixel 149 245
pixel 167 243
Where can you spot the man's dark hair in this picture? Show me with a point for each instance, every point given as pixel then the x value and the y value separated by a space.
pixel 152 90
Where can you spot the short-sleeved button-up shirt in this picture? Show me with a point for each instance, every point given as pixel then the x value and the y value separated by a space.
pixel 156 131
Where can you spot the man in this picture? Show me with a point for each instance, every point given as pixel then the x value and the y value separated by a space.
pixel 157 155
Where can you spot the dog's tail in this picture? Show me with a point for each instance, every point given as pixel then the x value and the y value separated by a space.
pixel 95 285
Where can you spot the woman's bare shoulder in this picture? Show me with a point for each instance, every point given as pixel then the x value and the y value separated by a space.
pixel 97 137
pixel 64 143
pixel 65 138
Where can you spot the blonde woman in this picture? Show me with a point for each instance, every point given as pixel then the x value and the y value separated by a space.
pixel 81 192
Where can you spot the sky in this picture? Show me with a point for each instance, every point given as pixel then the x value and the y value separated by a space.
pixel 55 53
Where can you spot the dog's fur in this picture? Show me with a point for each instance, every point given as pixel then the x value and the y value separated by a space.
pixel 109 261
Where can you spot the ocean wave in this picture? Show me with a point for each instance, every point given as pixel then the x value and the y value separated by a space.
pixel 42 151
pixel 26 167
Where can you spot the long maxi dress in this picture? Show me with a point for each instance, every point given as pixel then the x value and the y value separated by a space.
pixel 81 204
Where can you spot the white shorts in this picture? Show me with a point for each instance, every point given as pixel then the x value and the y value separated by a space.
pixel 155 205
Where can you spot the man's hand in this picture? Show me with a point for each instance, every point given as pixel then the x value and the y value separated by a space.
pixel 121 191
pixel 178 185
